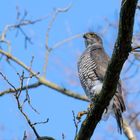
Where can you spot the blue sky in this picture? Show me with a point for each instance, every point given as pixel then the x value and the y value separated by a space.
pixel 62 66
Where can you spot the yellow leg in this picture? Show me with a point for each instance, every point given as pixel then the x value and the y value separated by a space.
pixel 80 114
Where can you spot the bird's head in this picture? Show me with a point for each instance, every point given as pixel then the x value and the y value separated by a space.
pixel 92 38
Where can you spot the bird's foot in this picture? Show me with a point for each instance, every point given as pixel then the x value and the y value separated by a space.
pixel 90 108
pixel 80 114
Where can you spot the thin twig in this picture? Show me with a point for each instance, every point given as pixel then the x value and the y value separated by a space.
pixel 25 136
pixel 133 118
pixel 17 95
pixel 10 90
pixel 60 43
pixel 25 115
pixel 76 122
pixel 20 107
pixel 42 122
pixel 136 49
pixel 5 78
pixel 50 24
pixel 22 22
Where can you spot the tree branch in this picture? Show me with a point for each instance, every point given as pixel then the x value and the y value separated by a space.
pixel 10 90
pixel 42 80
pixel 128 131
pixel 60 43
pixel 120 54
pixel 50 24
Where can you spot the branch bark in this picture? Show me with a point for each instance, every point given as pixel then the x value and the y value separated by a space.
pixel 121 52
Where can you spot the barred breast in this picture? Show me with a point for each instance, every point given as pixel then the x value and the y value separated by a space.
pixel 87 73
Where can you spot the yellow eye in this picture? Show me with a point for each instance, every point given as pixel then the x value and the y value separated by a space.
pixel 89 35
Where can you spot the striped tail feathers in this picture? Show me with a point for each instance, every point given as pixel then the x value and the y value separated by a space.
pixel 119 108
pixel 119 94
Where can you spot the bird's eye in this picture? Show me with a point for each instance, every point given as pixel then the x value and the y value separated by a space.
pixel 89 35
pixel 92 34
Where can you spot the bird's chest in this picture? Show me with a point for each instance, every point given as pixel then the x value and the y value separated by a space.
pixel 87 73
pixel 87 67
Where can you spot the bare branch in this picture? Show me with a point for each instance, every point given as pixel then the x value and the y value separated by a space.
pixel 20 107
pixel 4 77
pixel 45 138
pixel 22 22
pixel 43 81
pixel 63 136
pixel 121 51
pixel 60 43
pixel 25 115
pixel 136 49
pixel 50 24
pixel 54 15
pixel 10 90
pixel 25 136
pixel 42 122
pixel 133 117
pixel 76 122
pixel 128 131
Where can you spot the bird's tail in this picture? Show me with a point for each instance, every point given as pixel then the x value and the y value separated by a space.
pixel 119 107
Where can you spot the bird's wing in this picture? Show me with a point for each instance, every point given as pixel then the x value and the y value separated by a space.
pixel 120 96
pixel 101 59
pixel 119 106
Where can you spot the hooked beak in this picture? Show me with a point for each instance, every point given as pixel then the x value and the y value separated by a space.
pixel 84 36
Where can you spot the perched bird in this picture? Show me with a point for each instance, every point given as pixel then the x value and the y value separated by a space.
pixel 92 67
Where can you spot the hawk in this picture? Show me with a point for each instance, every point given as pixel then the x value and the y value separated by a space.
pixel 92 67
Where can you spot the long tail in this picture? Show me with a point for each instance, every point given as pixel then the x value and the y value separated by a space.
pixel 119 108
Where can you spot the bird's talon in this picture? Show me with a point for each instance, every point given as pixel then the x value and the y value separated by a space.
pixel 80 114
